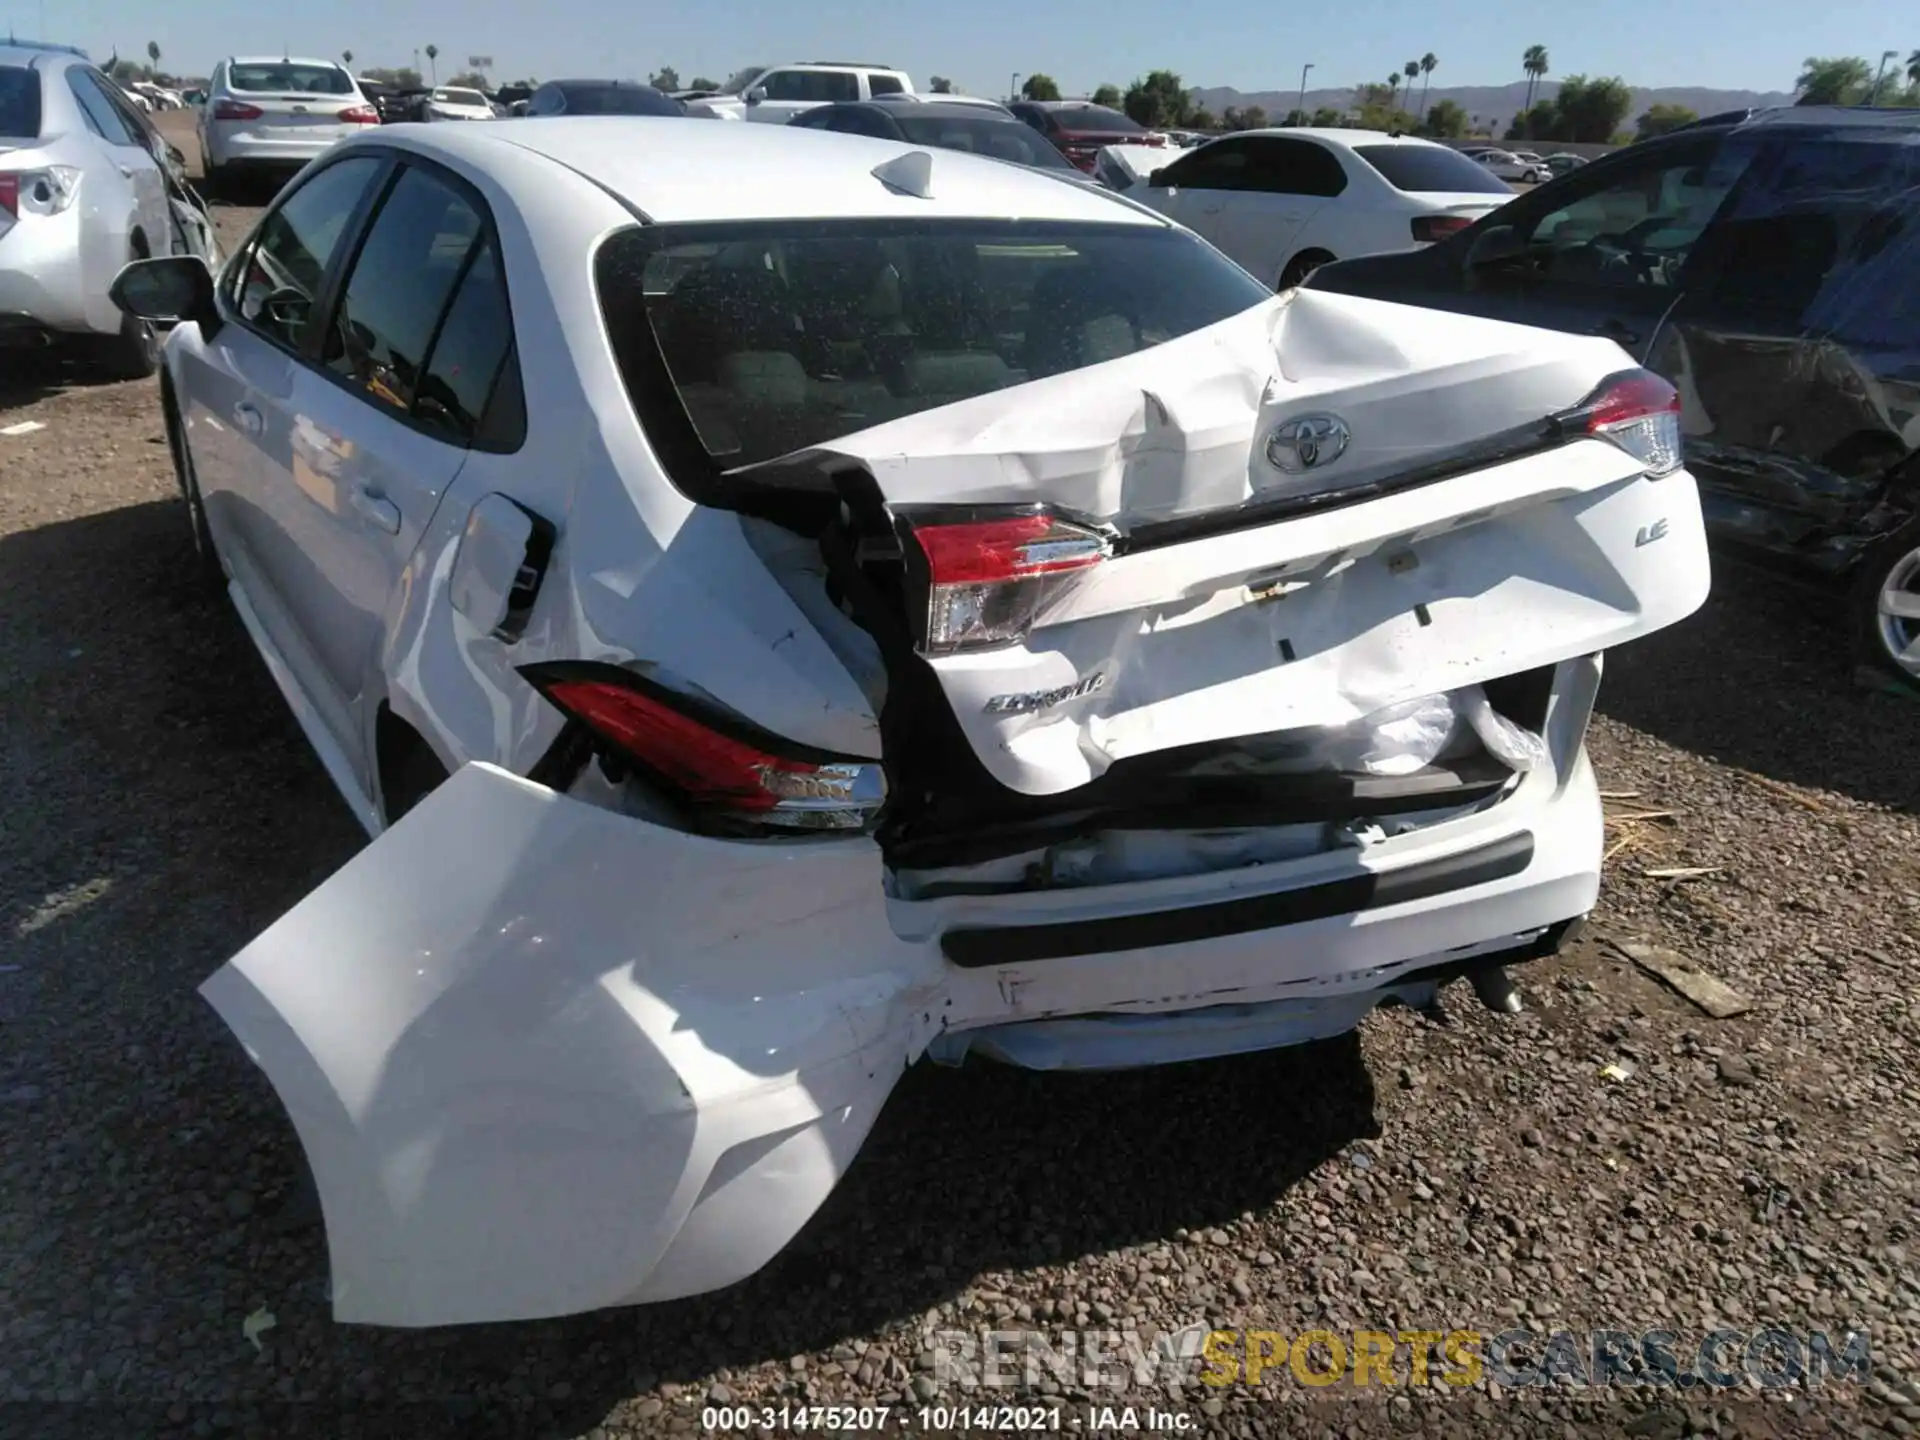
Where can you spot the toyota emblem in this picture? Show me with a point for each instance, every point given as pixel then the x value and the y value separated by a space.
pixel 1307 442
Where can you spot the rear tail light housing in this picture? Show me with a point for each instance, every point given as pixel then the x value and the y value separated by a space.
pixel 46 191
pixel 1429 228
pixel 730 774
pixel 236 110
pixel 1639 412
pixel 991 578
pixel 360 115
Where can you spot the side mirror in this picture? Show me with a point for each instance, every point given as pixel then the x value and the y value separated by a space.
pixel 756 95
pixel 1497 245
pixel 1158 179
pixel 172 288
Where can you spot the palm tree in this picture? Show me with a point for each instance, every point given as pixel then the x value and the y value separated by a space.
pixel 153 55
pixel 1913 68
pixel 1393 89
pixel 1412 71
pixel 1429 63
pixel 433 54
pixel 347 57
pixel 1534 62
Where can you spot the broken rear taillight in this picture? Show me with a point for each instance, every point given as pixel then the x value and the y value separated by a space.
pixel 1639 412
pixel 990 581
pixel 717 764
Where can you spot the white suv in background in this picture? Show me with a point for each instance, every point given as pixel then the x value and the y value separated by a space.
pixel 266 114
pixel 774 94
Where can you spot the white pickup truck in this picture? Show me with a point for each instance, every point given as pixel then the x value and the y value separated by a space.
pixel 774 94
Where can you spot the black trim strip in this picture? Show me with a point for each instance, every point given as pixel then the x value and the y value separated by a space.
pixel 1533 438
pixel 976 949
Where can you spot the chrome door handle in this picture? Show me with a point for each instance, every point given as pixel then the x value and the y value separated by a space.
pixel 378 511
pixel 250 418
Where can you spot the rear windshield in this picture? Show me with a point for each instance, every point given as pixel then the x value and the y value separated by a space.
pixel 19 103
pixel 1002 139
pixel 620 100
pixel 460 97
pixel 290 79
pixel 1430 167
pixel 778 337
pixel 1098 118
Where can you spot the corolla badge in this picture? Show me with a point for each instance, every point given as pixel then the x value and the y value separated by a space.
pixel 1307 441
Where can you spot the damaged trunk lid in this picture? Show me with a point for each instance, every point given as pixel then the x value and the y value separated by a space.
pixel 1287 521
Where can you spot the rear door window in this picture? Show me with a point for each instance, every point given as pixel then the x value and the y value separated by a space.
pixel 19 103
pixel 1294 167
pixel 885 85
pixel 1823 237
pixel 416 252
pixel 471 361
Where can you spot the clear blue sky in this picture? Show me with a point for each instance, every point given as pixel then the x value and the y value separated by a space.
pixel 1754 45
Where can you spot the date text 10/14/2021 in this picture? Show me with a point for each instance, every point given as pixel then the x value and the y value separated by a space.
pixel 1080 1419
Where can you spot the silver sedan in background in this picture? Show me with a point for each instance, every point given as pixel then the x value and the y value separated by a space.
pixel 85 186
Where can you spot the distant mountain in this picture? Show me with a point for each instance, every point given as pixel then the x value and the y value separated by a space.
pixel 1495 104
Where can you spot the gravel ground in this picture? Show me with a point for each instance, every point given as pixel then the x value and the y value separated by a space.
pixel 1465 1171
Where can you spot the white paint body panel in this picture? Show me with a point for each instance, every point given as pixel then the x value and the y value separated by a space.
pixel 545 1056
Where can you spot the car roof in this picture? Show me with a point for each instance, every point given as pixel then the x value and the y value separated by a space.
pixel 25 52
pixel 665 167
pixel 1338 136
pixel 953 109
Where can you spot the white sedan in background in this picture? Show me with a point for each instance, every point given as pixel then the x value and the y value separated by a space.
pixel 456 102
pixel 267 115
pixel 889 605
pixel 1282 202
pixel 1507 165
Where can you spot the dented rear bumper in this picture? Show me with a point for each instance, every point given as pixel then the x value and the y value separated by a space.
pixel 544 1058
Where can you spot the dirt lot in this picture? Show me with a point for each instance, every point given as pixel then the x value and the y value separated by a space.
pixel 1467 1173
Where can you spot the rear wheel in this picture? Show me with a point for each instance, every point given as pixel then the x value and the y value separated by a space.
pixel 1301 266
pixel 1885 612
pixel 134 353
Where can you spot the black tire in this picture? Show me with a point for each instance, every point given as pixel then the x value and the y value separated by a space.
pixel 1301 266
pixel 1891 568
pixel 133 354
pixel 206 561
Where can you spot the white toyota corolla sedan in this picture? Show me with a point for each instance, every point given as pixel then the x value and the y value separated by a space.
pixel 786 605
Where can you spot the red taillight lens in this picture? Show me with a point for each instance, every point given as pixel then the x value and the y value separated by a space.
pixel 1639 412
pixel 236 110
pixel 1429 228
pixel 991 581
pixel 10 194
pixel 711 769
pixel 360 115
